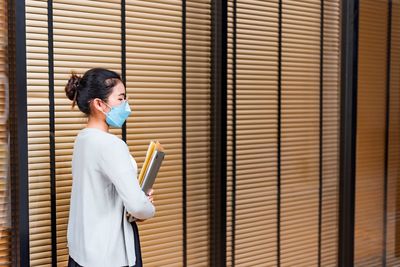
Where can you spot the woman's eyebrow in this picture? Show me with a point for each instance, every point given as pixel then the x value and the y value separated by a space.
pixel 121 94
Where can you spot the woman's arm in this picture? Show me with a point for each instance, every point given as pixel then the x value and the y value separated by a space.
pixel 116 164
pixel 132 218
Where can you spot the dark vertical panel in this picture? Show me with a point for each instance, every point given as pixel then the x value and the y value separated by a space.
pixel 184 169
pixel 52 136
pixel 278 264
pixel 348 121
pixel 388 69
pixel 321 116
pixel 218 133
pixel 19 131
pixel 123 56
pixel 233 225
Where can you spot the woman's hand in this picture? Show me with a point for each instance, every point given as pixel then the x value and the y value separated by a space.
pixel 150 196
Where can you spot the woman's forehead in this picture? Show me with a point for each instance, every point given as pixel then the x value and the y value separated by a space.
pixel 118 89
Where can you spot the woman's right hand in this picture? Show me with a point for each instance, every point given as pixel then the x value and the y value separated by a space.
pixel 150 197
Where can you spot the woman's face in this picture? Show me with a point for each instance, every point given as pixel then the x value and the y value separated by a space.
pixel 117 95
pixel 100 107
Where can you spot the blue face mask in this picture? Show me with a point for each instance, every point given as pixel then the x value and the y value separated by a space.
pixel 118 114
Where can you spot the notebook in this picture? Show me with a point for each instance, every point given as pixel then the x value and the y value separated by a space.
pixel 152 163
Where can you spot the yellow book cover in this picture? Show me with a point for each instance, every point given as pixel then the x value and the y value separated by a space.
pixel 149 154
pixel 153 146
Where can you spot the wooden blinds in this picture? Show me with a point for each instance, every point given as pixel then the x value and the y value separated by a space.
pixel 5 204
pixel 164 50
pixel 168 83
pixel 329 206
pixel 393 185
pixel 38 133
pixel 86 34
pixel 283 114
pixel 154 87
pixel 252 99
pixel 377 188
pixel 198 106
pixel 371 122
pixel 83 36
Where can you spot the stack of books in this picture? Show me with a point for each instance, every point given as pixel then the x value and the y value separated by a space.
pixel 151 165
pixel 154 157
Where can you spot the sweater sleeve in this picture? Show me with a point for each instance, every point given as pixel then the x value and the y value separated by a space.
pixel 117 165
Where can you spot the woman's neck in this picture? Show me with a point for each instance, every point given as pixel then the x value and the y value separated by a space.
pixel 97 123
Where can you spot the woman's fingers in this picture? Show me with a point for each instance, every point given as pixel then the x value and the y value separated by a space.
pixel 150 192
pixel 150 195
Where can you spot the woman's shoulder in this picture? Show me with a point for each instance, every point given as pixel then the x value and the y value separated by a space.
pixel 107 147
pixel 101 139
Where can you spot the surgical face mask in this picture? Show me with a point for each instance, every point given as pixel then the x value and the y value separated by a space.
pixel 118 114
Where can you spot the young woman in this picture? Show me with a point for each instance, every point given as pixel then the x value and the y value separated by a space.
pixel 105 188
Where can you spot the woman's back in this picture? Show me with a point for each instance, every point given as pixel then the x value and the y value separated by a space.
pixel 95 208
pixel 98 233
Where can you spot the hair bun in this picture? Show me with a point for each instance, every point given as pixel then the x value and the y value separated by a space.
pixel 72 87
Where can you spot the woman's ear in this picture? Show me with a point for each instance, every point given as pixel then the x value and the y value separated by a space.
pixel 99 105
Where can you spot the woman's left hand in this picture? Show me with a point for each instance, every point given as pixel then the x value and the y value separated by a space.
pixel 150 196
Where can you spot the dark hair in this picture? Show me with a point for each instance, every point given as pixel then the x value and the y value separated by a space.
pixel 95 83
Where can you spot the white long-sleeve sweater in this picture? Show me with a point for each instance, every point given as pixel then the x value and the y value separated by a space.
pixel 104 188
